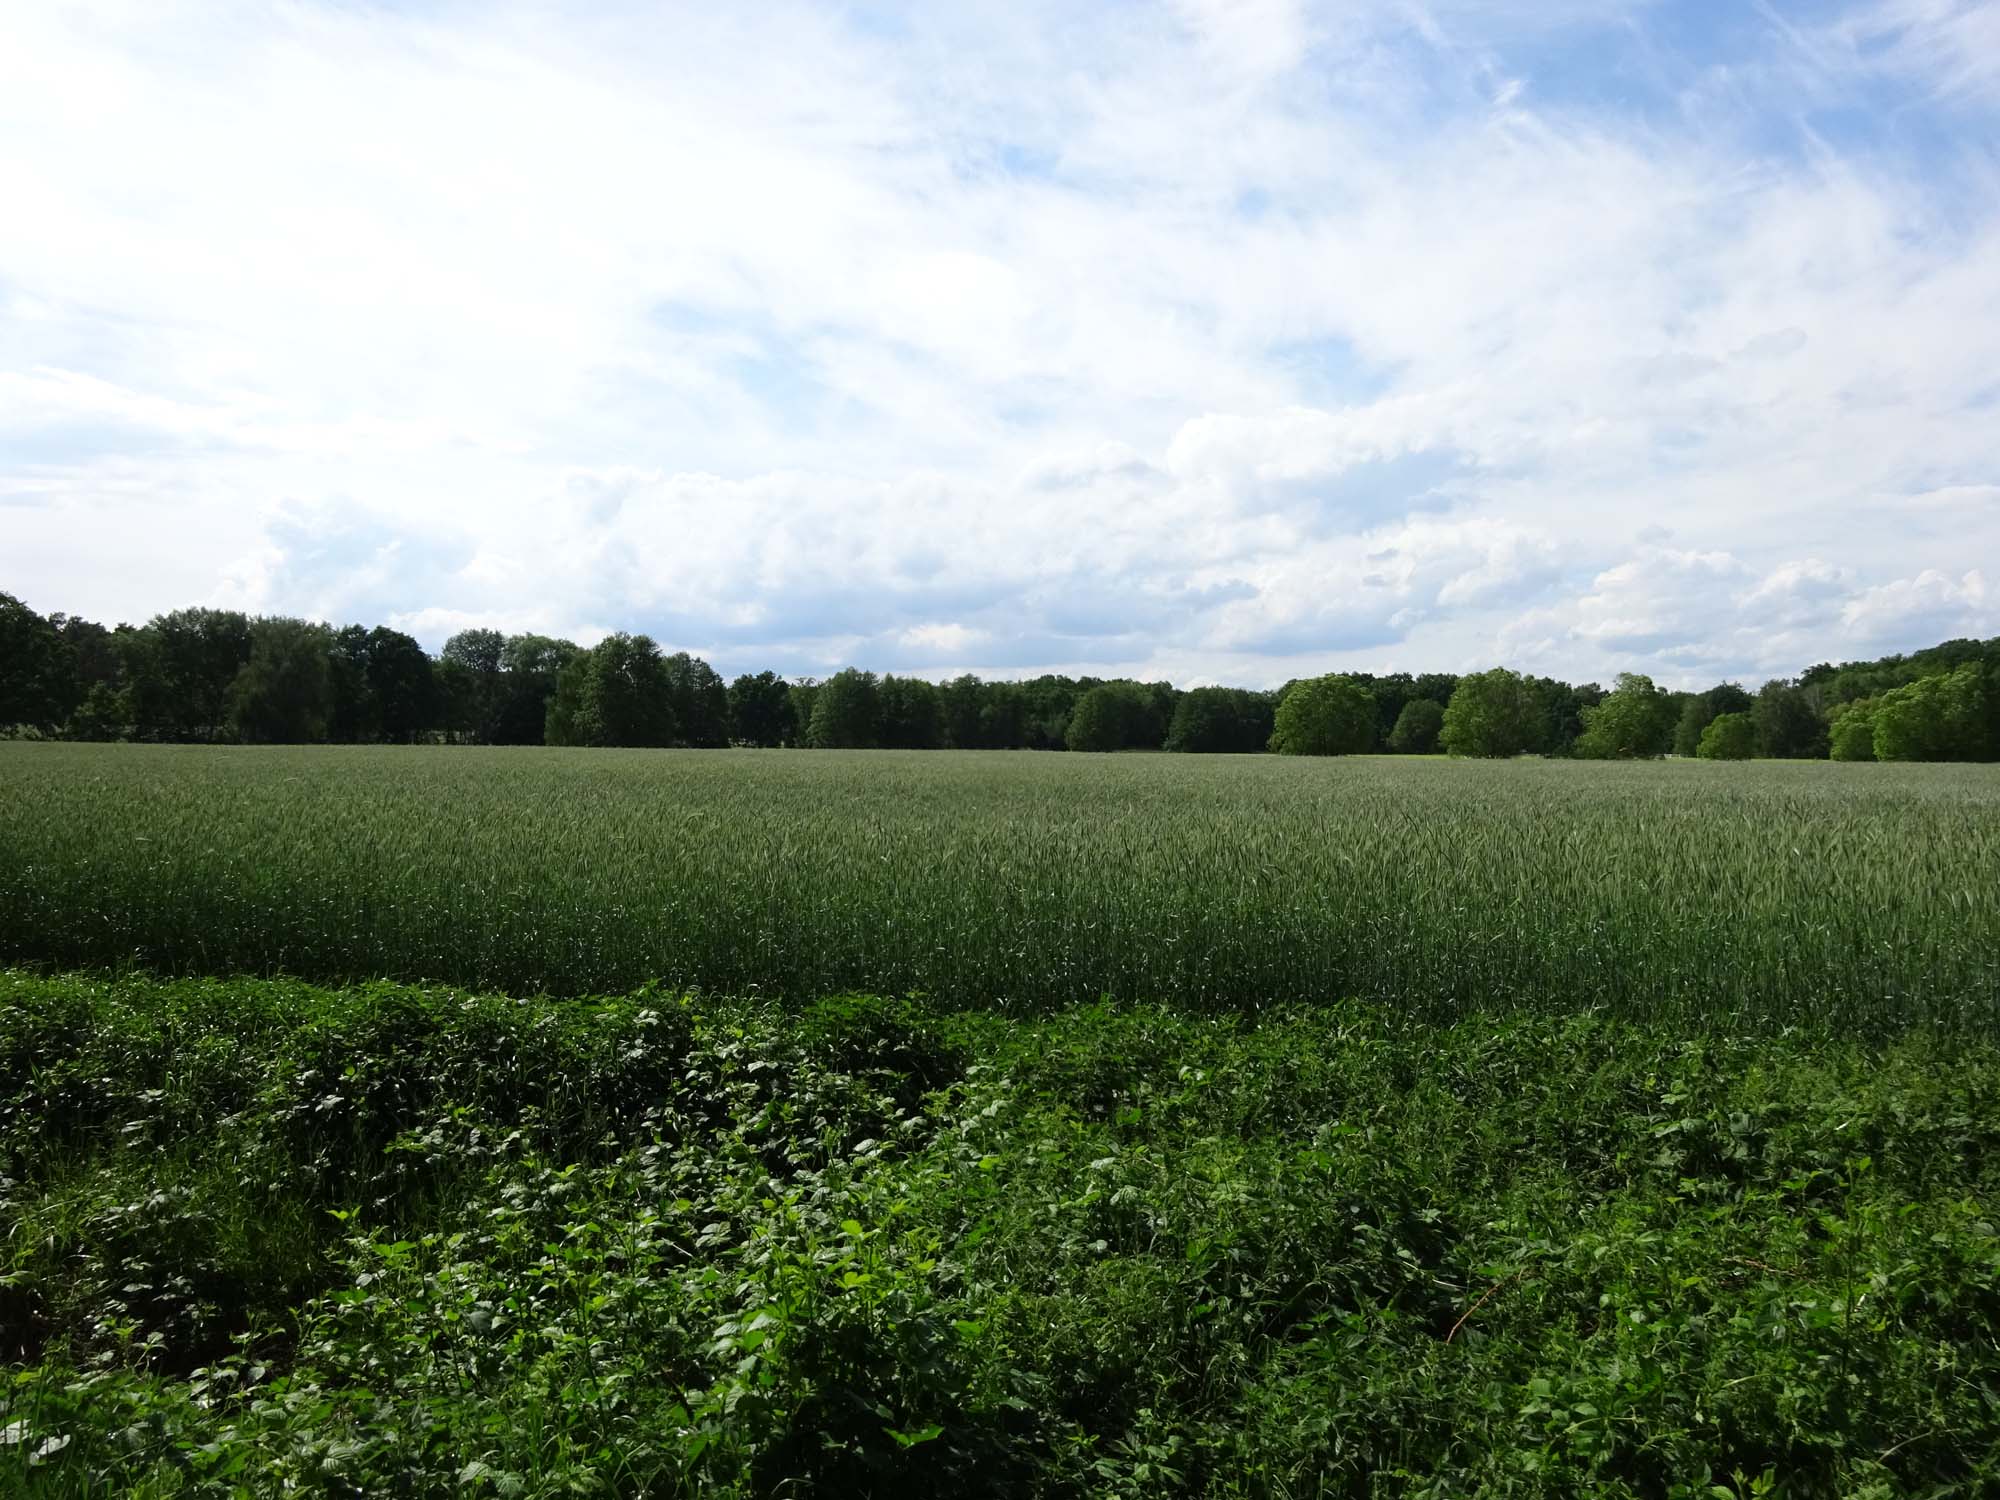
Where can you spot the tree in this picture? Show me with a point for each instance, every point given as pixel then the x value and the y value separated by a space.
pixel 1852 734
pixel 1788 722
pixel 353 718
pixel 1941 717
pixel 699 700
pixel 401 683
pixel 760 710
pixel 1332 715
pixel 462 701
pixel 284 693
pixel 479 654
pixel 31 667
pixel 1636 720
pixel 1492 714
pixel 613 694
pixel 1417 726
pixel 1220 720
pixel 804 692
pixel 1701 708
pixel 844 712
pixel 960 705
pixel 1728 737
pixel 530 667
pixel 1112 716
pixel 909 715
pixel 200 653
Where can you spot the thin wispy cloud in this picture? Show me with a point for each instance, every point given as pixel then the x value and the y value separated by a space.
pixel 1210 340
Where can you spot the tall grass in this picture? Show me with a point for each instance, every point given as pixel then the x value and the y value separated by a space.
pixel 1858 895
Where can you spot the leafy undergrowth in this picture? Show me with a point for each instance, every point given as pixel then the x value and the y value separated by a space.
pixel 265 1238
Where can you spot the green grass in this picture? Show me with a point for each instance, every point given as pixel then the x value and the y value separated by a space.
pixel 268 1239
pixel 1860 897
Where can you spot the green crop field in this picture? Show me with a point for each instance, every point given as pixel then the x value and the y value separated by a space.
pixel 1864 895
pixel 458 1122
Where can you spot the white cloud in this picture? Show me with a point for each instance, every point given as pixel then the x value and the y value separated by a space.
pixel 1223 339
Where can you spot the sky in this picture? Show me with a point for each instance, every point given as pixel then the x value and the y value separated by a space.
pixel 1213 340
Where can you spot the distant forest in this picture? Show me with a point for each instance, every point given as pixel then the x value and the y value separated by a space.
pixel 213 676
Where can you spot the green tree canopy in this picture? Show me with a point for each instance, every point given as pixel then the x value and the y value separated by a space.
pixel 1635 720
pixel 845 712
pixel 284 693
pixel 1788 722
pixel 1113 716
pixel 1851 736
pixel 699 700
pixel 910 715
pixel 1941 717
pixel 613 694
pixel 1417 727
pixel 31 667
pixel 1331 715
pixel 1728 737
pixel 1700 708
pixel 1493 714
pixel 760 710
pixel 1220 720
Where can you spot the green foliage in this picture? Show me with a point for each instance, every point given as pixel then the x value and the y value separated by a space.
pixel 1220 720
pixel 615 694
pixel 846 711
pixel 760 710
pixel 1700 710
pixel 1789 726
pixel 1659 889
pixel 269 1239
pixel 1330 715
pixel 1417 727
pixel 911 717
pixel 1493 715
pixel 284 693
pixel 1635 720
pixel 1852 735
pixel 32 667
pixel 1944 717
pixel 1729 737
pixel 1114 716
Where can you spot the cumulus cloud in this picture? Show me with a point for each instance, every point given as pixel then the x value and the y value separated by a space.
pixel 1223 339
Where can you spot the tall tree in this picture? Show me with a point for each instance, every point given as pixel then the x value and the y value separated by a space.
pixel 284 693
pixel 1417 727
pixel 1700 708
pixel 699 699
pixel 400 678
pixel 529 666
pixel 1220 720
pixel 1331 715
pixel 32 661
pixel 760 710
pixel 1788 722
pixel 1493 715
pixel 1113 716
pixel 200 653
pixel 613 694
pixel 845 709
pixel 910 716
pixel 1636 720
pixel 472 706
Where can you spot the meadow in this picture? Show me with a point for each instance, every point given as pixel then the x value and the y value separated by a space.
pixel 461 1122
pixel 265 1239
pixel 1863 896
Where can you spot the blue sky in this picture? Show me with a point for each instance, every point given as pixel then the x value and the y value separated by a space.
pixel 1208 340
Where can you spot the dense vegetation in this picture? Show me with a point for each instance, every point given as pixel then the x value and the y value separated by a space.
pixel 1859 895
pixel 208 675
pixel 267 1239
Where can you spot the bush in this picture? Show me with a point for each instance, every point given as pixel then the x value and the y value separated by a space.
pixel 1729 737
pixel 1331 715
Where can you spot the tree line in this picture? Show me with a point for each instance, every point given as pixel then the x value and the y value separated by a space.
pixel 214 676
